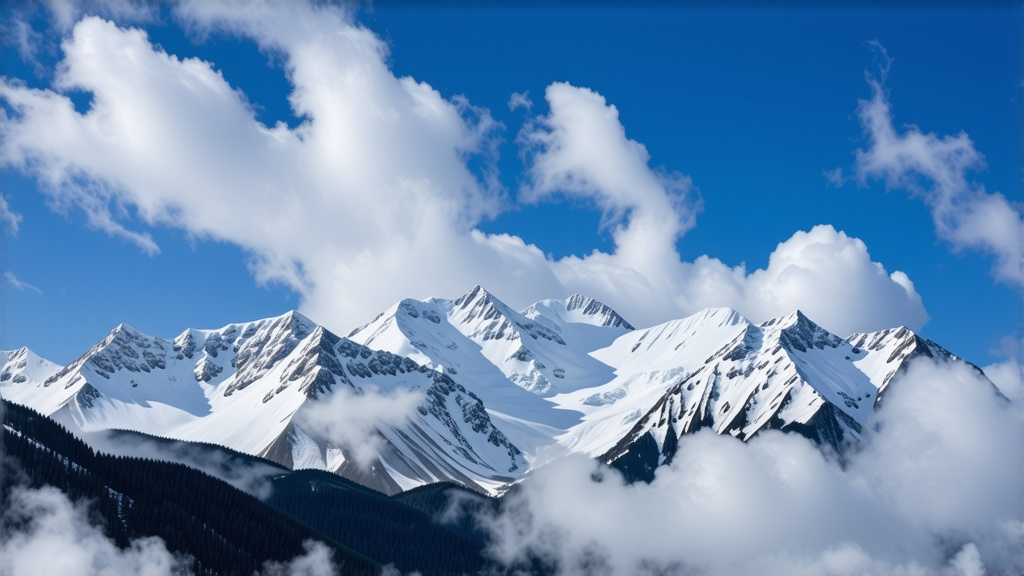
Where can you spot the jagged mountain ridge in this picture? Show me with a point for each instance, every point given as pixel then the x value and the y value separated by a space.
pixel 539 349
pixel 714 369
pixel 246 387
pixel 21 369
pixel 503 390
pixel 787 374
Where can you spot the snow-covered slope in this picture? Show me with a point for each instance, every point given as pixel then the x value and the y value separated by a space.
pixel 604 386
pixel 647 364
pixel 543 350
pixel 497 391
pixel 23 376
pixel 244 385
pixel 786 374
pixel 886 352
pixel 515 362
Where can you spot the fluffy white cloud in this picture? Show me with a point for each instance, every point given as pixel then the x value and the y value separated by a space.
pixel 45 533
pixel 832 278
pixel 823 272
pixel 933 489
pixel 934 168
pixel 1008 375
pixel 371 198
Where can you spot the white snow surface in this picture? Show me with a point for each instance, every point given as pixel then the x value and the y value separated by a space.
pixel 23 376
pixel 503 390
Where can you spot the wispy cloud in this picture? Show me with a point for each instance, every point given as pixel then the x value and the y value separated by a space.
pixel 351 419
pixel 18 33
pixel 518 100
pixel 19 285
pixel 65 13
pixel 936 169
pixel 8 217
pixel 834 177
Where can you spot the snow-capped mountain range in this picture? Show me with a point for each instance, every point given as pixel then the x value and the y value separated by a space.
pixel 498 391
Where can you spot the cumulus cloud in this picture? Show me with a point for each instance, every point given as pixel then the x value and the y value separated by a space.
pixel 45 533
pixel 9 218
pixel 933 489
pixel 936 169
pixel 372 198
pixel 832 278
pixel 19 285
pixel 823 272
pixel 351 419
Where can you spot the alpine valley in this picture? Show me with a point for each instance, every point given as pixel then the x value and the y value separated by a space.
pixel 492 393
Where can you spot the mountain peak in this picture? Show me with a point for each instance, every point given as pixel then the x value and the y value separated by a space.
pixel 798 331
pixel 592 307
pixel 721 316
pixel 22 357
pixel 123 328
pixel 293 320
pixel 296 316
pixel 477 293
pixel 479 304
pixel 16 352
pixel 793 318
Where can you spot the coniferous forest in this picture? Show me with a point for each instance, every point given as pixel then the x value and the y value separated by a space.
pixel 220 529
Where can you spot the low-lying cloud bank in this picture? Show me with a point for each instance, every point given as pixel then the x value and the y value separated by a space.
pixel 372 198
pixel 45 533
pixel 934 488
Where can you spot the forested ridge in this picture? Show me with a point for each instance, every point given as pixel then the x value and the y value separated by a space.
pixel 223 530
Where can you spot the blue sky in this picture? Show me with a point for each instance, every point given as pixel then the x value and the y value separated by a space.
pixel 754 106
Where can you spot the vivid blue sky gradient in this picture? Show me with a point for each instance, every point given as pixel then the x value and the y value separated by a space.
pixel 753 104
